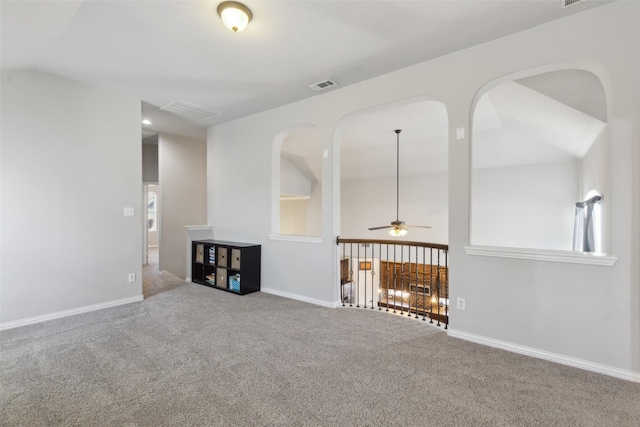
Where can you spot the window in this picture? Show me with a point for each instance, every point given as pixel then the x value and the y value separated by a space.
pixel 151 211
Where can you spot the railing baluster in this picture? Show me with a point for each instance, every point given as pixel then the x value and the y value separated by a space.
pixel 429 278
pixel 446 286
pixel 431 290
pixel 417 283
pixel 373 273
pixel 395 278
pixel 424 285
pixel 438 284
pixel 351 284
pixel 365 274
pixel 387 284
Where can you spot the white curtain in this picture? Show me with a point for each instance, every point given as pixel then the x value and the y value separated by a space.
pixel 586 230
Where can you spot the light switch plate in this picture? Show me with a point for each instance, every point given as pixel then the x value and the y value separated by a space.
pixel 460 133
pixel 128 211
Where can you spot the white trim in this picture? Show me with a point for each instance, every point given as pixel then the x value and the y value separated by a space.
pixel 552 357
pixel 298 297
pixel 299 239
pixel 198 227
pixel 543 255
pixel 187 279
pixel 65 313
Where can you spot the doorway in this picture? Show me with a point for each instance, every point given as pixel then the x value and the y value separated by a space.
pixel 151 224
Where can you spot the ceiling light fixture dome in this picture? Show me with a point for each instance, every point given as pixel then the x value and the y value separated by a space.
pixel 234 15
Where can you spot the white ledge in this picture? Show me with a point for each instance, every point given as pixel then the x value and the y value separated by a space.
pixel 198 227
pixel 590 258
pixel 299 239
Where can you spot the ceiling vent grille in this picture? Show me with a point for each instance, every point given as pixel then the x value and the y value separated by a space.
pixel 325 84
pixel 568 3
pixel 190 111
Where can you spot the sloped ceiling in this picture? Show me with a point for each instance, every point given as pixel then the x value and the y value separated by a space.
pixel 163 51
pixel 513 125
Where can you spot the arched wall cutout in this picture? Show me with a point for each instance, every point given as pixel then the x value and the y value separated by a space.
pixel 338 164
pixel 494 219
pixel 276 164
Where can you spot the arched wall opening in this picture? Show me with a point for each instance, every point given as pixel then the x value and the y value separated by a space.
pixel 297 182
pixel 369 192
pixel 540 143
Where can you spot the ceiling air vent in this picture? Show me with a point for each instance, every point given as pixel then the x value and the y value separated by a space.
pixel 568 3
pixel 190 111
pixel 325 84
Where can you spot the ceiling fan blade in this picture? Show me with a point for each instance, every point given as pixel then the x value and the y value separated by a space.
pixel 381 228
pixel 417 226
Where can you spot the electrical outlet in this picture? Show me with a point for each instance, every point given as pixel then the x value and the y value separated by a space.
pixel 461 304
pixel 132 277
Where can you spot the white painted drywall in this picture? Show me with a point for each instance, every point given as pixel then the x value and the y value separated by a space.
pixel 591 313
pixel 65 245
pixel 150 162
pixel 292 181
pixel 372 203
pixel 183 186
pixel 293 217
pixel 525 206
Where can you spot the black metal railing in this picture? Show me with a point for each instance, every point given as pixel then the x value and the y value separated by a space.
pixel 402 277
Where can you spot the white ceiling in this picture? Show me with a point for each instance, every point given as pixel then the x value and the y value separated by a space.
pixel 163 51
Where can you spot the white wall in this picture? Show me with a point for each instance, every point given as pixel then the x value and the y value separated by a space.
pixel 182 200
pixel 551 307
pixel 65 245
pixel 293 217
pixel 292 181
pixel 368 203
pixel 150 161
pixel 314 211
pixel 525 206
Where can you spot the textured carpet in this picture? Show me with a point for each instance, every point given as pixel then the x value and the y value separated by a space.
pixel 190 355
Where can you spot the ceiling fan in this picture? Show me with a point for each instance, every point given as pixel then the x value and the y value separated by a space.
pixel 398 228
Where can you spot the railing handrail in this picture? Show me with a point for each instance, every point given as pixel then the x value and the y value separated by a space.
pixel 394 242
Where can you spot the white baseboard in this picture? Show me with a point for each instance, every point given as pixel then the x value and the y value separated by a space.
pixel 298 297
pixel 65 313
pixel 552 357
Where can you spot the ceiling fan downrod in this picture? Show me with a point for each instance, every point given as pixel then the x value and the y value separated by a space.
pixel 398 174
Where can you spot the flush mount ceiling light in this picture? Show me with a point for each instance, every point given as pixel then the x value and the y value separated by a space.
pixel 146 122
pixel 234 15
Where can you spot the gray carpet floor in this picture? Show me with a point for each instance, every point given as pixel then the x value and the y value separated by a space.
pixel 194 356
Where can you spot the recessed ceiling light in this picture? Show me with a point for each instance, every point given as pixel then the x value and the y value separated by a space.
pixel 146 122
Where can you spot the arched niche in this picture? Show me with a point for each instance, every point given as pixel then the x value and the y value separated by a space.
pixel 367 147
pixel 539 145
pixel 298 162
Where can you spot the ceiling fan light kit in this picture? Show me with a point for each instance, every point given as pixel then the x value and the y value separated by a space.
pixel 397 227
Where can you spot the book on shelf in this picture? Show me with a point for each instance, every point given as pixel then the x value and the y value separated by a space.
pixel 211 279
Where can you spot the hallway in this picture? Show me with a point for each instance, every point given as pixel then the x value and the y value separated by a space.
pixel 155 281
